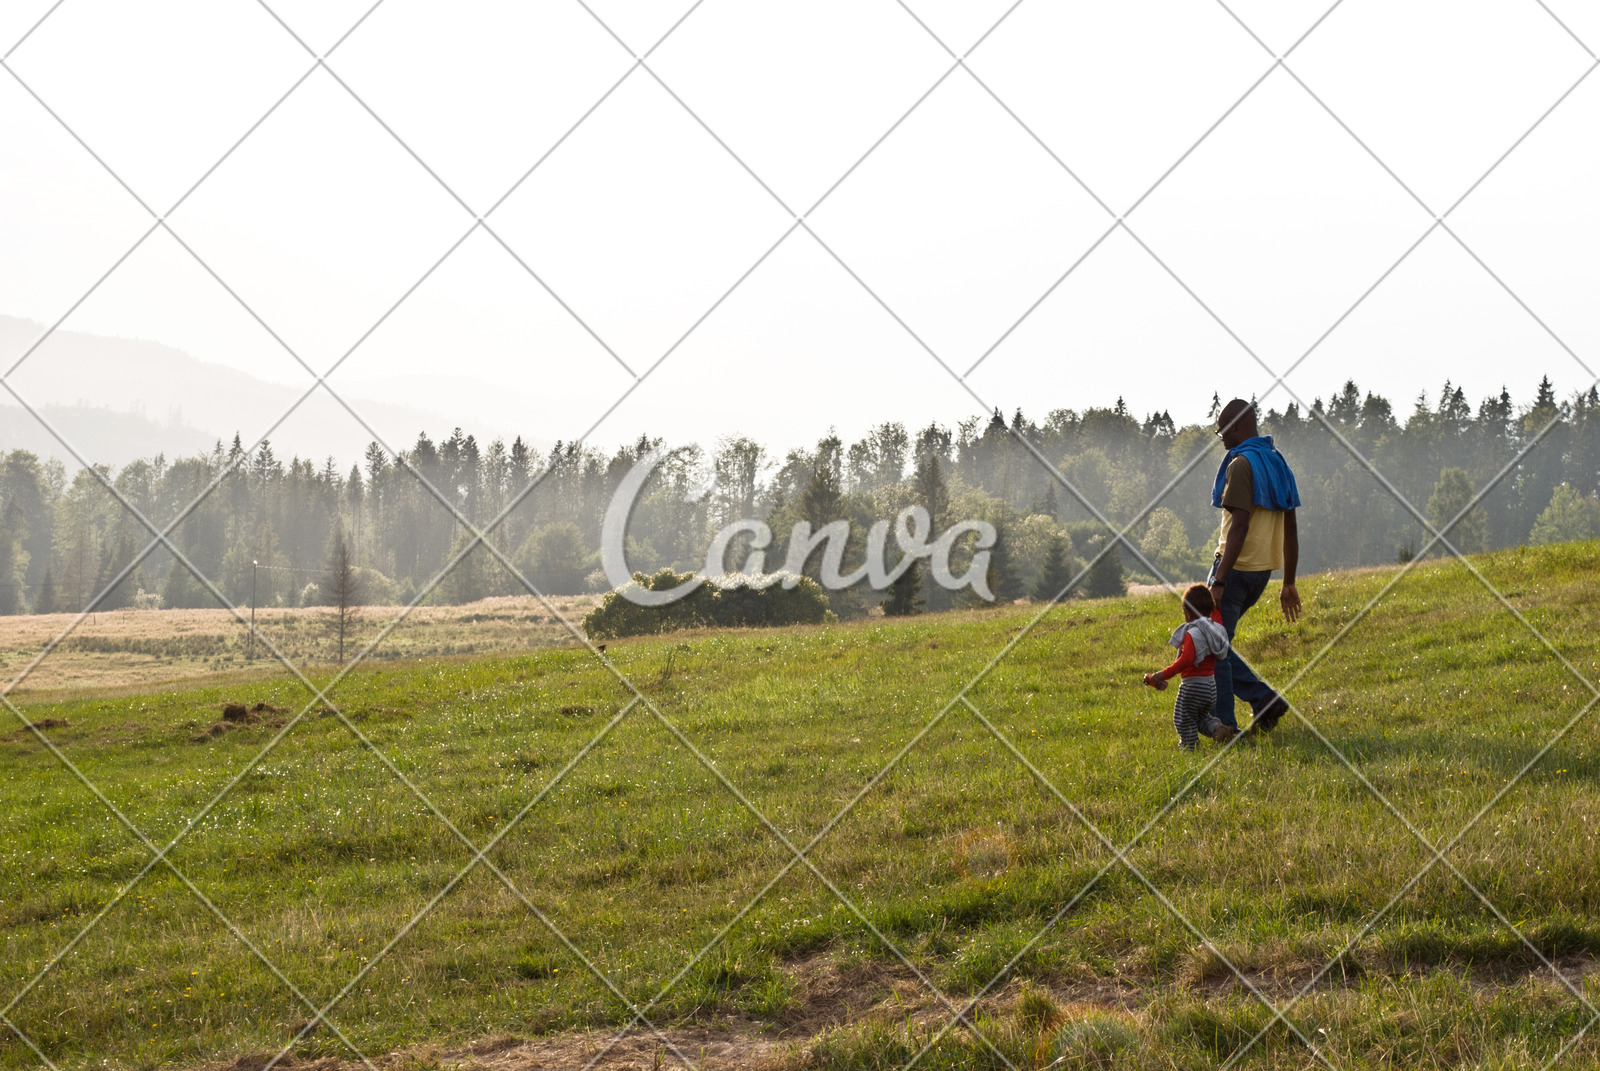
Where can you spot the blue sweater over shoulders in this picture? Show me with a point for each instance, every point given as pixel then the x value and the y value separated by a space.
pixel 1274 482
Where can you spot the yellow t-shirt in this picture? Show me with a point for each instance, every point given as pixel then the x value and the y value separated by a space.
pixel 1263 543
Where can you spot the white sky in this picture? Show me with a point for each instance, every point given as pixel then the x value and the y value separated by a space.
pixel 960 220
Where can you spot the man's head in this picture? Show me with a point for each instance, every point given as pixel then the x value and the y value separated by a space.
pixel 1236 423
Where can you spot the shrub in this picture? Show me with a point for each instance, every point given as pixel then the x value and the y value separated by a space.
pixel 376 589
pixel 730 601
pixel 1570 516
pixel 1104 578
pixel 554 559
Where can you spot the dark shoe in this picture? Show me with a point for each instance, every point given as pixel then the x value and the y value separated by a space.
pixel 1266 719
pixel 1218 730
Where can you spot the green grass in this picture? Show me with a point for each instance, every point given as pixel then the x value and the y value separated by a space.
pixel 1278 853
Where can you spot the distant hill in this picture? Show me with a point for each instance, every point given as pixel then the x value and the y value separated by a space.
pixel 100 434
pixel 117 399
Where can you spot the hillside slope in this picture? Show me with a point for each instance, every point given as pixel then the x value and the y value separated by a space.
pixel 622 825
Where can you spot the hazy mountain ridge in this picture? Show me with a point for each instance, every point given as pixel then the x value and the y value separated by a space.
pixel 117 399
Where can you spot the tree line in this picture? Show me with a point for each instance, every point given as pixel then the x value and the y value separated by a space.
pixel 278 533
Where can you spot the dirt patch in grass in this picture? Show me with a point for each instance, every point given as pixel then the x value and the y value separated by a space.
pixel 42 724
pixel 830 994
pixel 712 1050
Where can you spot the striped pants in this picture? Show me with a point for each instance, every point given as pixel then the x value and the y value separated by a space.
pixel 1196 697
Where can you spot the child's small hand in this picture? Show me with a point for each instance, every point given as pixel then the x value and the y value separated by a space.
pixel 1156 681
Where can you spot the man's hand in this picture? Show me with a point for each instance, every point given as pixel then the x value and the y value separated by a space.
pixel 1289 599
pixel 1216 595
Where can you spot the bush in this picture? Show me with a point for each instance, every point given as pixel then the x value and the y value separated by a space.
pixel 729 601
pixel 376 589
pixel 1104 578
pixel 554 559
pixel 1570 516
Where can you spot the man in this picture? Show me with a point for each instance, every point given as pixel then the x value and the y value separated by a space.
pixel 1257 495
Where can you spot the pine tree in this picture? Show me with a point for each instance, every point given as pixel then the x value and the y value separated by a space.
pixel 180 590
pixel 822 500
pixel 905 593
pixel 340 585
pixel 1547 395
pixel 1047 503
pixel 1104 579
pixel 1056 572
pixel 47 593
pixel 932 495
pixel 468 581
pixel 1005 582
pixel 118 557
pixel 1450 496
pixel 11 601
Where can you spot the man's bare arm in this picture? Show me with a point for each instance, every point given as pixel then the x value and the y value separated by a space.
pixel 1230 549
pixel 1289 598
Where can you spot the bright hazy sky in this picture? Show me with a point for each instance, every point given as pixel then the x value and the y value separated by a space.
pixel 962 221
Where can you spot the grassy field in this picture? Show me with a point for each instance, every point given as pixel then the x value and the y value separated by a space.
pixel 142 647
pixel 954 865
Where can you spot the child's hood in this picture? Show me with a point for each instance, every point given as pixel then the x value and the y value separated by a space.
pixel 1210 638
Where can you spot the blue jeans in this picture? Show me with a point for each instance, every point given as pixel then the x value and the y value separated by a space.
pixel 1234 678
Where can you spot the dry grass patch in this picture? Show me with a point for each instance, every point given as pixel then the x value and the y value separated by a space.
pixel 141 647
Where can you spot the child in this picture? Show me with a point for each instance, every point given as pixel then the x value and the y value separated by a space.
pixel 1200 640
